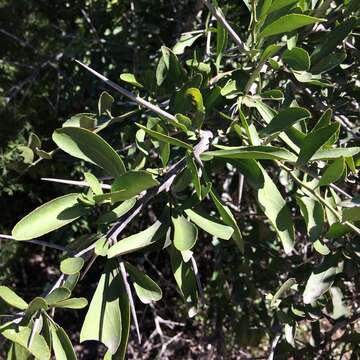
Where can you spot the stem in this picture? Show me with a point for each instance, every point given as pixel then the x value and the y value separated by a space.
pixel 319 198
pixel 137 99
pixel 221 19
pixel 36 242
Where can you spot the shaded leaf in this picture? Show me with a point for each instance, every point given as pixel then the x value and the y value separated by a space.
pixel 297 58
pixel 284 119
pixel 57 295
pixel 63 348
pixel 314 141
pixel 103 319
pixel 333 172
pixel 88 146
pixel 146 289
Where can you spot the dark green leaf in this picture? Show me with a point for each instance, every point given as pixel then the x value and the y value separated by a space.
pixel 314 141
pixel 297 58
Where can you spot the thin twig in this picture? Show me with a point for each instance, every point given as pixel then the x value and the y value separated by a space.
pixel 36 242
pixel 221 19
pixel 124 276
pixel 74 182
pixel 140 101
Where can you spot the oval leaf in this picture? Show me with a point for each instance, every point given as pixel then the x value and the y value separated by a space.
pixel 72 265
pixel 88 146
pixel 49 217
pixel 11 298
pixel 185 233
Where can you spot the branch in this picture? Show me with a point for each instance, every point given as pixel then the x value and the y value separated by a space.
pixel 221 19
pixel 137 99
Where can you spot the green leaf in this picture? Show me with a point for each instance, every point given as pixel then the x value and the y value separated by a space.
pixel 94 183
pixel 134 182
pixel 185 279
pixel 102 246
pixel 58 295
pixel 279 4
pixel 284 119
pixel 214 228
pixel 125 324
pixel 314 141
pixel 333 172
pixel 270 51
pixel 332 39
pixel 329 62
pixel 270 200
pixel 297 59
pixel 330 154
pixel 325 119
pixel 103 319
pixel 72 265
pixel 36 304
pixel 228 219
pixel 21 335
pixel 130 79
pixel 288 23
pixel 283 288
pixel 63 348
pixel 71 281
pixel 88 146
pixel 128 185
pixel 185 233
pixel 11 298
pixel 313 214
pixel 105 102
pixel 351 209
pixel 253 152
pixel 17 352
pixel 319 281
pixel 146 289
pixel 118 211
pixel 34 142
pixel 165 138
pixel 49 217
pixel 135 242
pixel 72 303
pixel 186 40
pixel 84 120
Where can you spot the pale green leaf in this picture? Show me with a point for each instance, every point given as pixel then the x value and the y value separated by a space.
pixel 103 319
pixel 94 183
pixel 135 242
pixel 71 265
pixel 63 348
pixel 130 79
pixel 185 233
pixel 11 298
pixel 49 217
pixel 210 226
pixel 283 288
pixel 20 335
pixel 72 303
pixel 165 138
